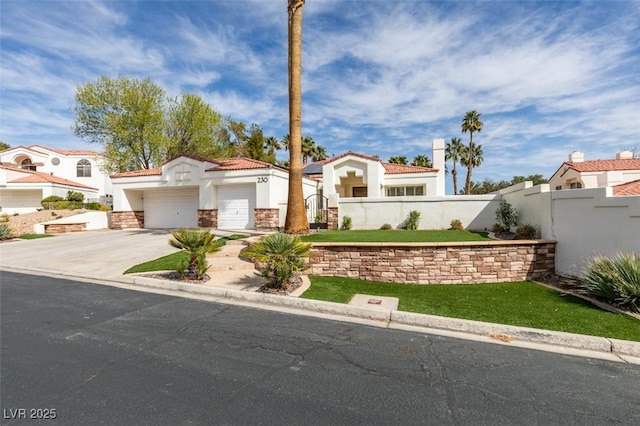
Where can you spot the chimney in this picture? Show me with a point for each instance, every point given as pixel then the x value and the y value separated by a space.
pixel 624 155
pixel 576 157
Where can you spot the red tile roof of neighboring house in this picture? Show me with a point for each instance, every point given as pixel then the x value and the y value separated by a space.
pixel 628 188
pixel 39 177
pixel 604 165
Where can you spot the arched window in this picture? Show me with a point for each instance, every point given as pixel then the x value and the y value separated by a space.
pixel 27 164
pixel 83 168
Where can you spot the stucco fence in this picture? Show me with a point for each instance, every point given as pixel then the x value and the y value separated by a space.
pixel 435 263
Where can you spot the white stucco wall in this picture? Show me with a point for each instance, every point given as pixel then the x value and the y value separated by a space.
pixel 475 212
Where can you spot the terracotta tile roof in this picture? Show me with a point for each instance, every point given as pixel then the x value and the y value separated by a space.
pixel 605 165
pixel 38 177
pixel 390 168
pixel 226 164
pixel 80 152
pixel 629 188
pixel 156 171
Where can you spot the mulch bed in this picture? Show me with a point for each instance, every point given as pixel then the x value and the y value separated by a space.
pixel 174 276
pixel 295 283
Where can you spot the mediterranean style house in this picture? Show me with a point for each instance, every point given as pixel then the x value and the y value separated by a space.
pixel 621 173
pixel 30 173
pixel 241 193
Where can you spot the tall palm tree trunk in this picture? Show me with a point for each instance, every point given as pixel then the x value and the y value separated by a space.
pixel 296 220
pixel 454 174
pixel 467 185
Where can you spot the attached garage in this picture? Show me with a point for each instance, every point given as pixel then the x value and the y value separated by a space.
pixel 236 206
pixel 171 208
pixel 19 200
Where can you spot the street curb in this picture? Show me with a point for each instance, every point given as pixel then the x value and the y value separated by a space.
pixel 499 332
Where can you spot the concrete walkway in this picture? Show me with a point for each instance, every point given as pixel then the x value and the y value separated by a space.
pixel 101 257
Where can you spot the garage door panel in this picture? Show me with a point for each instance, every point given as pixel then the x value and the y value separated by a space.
pixel 236 205
pixel 171 208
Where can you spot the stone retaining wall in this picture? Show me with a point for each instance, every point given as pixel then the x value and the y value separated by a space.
pixel 63 228
pixel 435 263
pixel 208 218
pixel 127 219
pixel 267 219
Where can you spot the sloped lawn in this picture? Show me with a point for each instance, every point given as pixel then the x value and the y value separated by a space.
pixel 524 304
pixel 395 236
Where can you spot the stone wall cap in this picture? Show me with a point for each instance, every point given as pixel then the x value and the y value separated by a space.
pixel 436 244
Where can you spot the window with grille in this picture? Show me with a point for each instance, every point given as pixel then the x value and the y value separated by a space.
pixel 400 191
pixel 83 168
pixel 27 164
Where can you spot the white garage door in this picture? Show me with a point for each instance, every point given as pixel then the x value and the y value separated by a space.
pixel 19 201
pixel 171 208
pixel 236 206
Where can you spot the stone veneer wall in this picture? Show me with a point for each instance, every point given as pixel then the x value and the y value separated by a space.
pixel 435 263
pixel 125 220
pixel 267 219
pixel 63 228
pixel 332 219
pixel 208 218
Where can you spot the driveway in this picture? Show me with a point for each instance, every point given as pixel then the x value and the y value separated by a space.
pixel 103 254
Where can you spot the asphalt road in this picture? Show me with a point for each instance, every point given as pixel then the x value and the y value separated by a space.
pixel 101 355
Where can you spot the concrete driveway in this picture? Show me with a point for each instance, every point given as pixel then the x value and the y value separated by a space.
pixel 103 254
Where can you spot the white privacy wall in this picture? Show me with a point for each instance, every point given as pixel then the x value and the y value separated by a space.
pixel 584 222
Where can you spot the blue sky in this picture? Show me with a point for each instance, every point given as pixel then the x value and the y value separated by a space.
pixel 379 77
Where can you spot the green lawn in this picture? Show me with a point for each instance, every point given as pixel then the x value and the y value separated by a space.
pixel 395 236
pixel 522 304
pixel 34 236
pixel 169 262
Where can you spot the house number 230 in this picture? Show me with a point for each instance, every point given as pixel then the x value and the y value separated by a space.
pixel 263 179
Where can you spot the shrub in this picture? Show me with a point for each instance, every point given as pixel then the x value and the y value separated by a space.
pixel 346 223
pixel 456 225
pixel 526 232
pixel 318 218
pixel 413 220
pixel 497 228
pixel 48 202
pixel 196 243
pixel 75 196
pixel 5 231
pixel 4 218
pixel 386 227
pixel 281 257
pixel 615 280
pixel 507 215
pixel 93 206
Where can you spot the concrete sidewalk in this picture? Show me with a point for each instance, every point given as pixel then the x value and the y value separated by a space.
pixel 101 257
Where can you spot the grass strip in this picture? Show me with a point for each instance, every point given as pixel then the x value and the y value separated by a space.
pixel 524 304
pixel 34 236
pixel 395 236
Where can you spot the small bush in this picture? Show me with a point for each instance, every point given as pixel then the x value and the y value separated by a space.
pixel 50 201
pixel 75 196
pixel 456 225
pixel 196 243
pixel 526 232
pixel 497 228
pixel 5 231
pixel 104 208
pixel 16 214
pixel 318 218
pixel 4 218
pixel 413 220
pixel 386 227
pixel 346 223
pixel 615 280
pixel 507 215
pixel 281 257
pixel 93 206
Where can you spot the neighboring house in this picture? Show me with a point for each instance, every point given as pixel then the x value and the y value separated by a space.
pixel 187 192
pixel 356 175
pixel 580 174
pixel 29 174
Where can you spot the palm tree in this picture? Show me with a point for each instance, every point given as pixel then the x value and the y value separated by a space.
pixel 471 158
pixel 319 153
pixel 470 123
pixel 421 161
pixel 398 160
pixel 296 221
pixel 308 145
pixel 271 144
pixel 453 152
